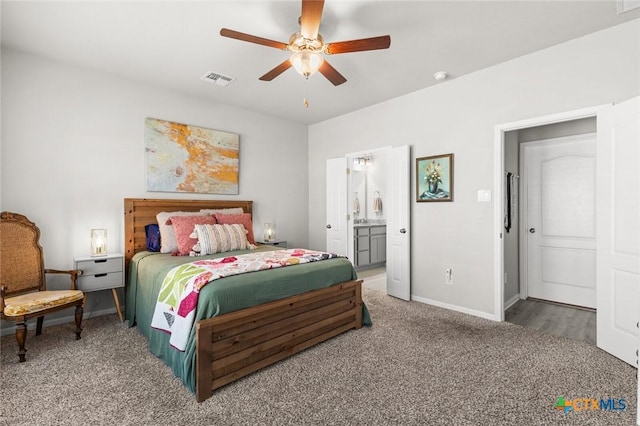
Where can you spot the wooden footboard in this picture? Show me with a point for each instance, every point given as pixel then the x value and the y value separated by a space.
pixel 236 344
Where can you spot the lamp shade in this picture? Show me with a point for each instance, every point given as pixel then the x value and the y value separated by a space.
pixel 98 242
pixel 269 231
pixel 306 62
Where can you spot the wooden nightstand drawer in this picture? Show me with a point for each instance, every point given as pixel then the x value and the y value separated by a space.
pixel 100 281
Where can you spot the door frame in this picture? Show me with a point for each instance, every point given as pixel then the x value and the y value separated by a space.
pixel 498 200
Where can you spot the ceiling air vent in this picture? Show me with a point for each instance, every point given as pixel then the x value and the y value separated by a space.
pixel 216 78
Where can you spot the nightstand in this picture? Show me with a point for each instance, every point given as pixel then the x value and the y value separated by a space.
pixel 276 243
pixel 102 273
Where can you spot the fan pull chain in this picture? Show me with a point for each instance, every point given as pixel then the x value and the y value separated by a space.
pixel 305 101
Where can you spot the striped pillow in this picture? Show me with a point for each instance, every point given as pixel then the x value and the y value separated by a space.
pixel 219 238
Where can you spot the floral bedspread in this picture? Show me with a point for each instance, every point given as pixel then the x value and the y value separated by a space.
pixel 178 298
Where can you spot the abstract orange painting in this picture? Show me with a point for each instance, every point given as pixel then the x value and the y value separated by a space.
pixel 185 158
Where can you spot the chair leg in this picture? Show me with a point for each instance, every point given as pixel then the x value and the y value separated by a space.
pixel 39 325
pixel 79 311
pixel 21 337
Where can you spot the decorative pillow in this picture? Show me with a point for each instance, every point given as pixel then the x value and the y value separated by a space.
pixel 168 242
pixel 183 227
pixel 243 219
pixel 153 237
pixel 219 238
pixel 232 210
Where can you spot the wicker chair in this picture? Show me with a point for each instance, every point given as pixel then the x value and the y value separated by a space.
pixel 23 293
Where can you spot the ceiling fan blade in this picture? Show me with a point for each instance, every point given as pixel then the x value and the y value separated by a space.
pixel 225 32
pixel 310 19
pixel 276 71
pixel 331 73
pixel 373 43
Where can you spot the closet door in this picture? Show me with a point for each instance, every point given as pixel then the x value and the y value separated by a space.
pixel 560 233
pixel 618 248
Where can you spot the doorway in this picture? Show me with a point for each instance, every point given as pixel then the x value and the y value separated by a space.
pixel 367 240
pixel 366 186
pixel 509 239
pixel 548 224
pixel 379 233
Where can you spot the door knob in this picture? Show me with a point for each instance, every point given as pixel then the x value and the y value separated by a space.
pixel 403 231
pixel 532 230
pixel 329 226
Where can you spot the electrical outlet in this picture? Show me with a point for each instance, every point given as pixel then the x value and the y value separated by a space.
pixel 448 276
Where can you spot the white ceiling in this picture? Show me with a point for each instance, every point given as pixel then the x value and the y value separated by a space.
pixel 172 44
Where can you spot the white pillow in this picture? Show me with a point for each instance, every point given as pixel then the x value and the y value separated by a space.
pixel 232 210
pixel 219 238
pixel 168 242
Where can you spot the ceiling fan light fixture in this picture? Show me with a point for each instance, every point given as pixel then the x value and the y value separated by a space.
pixel 306 62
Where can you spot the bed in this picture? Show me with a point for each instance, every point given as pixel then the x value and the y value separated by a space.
pixel 244 322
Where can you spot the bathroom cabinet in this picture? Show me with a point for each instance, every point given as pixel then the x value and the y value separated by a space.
pixel 370 245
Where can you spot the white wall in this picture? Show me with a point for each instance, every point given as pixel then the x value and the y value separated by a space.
pixel 72 149
pixel 460 116
pixel 377 181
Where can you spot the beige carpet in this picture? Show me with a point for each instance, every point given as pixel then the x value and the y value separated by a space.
pixel 417 365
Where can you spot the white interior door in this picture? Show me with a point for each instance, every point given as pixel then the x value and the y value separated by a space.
pixel 337 206
pixel 398 223
pixel 618 212
pixel 560 226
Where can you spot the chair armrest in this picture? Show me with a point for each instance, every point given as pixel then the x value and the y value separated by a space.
pixel 3 292
pixel 73 273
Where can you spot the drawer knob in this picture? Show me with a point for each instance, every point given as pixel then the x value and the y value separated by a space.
pixel 100 275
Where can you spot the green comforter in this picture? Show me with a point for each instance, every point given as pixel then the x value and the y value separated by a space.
pixel 147 271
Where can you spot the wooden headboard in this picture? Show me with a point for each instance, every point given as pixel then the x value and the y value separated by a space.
pixel 139 212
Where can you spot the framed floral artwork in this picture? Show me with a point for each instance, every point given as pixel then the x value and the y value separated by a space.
pixel 434 178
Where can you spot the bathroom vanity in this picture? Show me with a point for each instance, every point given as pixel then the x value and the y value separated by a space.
pixel 370 244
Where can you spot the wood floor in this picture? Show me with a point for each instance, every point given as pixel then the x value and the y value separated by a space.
pixel 556 319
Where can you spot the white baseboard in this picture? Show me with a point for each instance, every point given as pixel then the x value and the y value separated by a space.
pixel 509 303
pixel 456 308
pixel 31 325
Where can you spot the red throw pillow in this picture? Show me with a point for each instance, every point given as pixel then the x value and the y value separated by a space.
pixel 184 226
pixel 243 219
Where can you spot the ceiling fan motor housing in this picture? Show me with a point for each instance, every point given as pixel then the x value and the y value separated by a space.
pixel 297 42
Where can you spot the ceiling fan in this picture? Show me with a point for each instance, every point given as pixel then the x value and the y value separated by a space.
pixel 307 46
